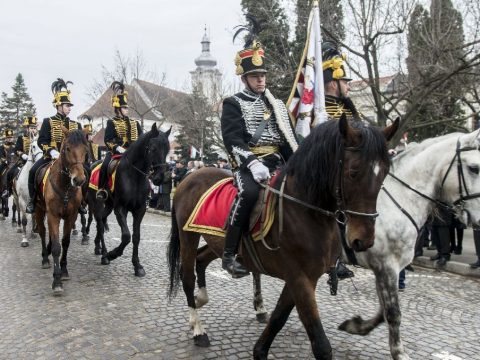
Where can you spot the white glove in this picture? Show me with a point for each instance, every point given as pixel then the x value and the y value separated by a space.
pixel 120 149
pixel 54 154
pixel 259 171
pixel 25 157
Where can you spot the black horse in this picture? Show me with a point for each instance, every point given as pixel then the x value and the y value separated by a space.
pixel 145 157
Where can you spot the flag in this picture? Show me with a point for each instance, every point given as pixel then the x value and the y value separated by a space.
pixel 306 103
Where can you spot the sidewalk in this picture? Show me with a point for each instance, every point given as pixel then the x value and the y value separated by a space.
pixel 458 264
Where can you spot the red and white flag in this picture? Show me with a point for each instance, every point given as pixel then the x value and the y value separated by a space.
pixel 307 98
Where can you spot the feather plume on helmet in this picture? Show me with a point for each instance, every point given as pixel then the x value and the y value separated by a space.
pixel 251 58
pixel 61 94
pixel 119 97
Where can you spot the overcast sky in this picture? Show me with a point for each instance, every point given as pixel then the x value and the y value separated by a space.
pixel 46 39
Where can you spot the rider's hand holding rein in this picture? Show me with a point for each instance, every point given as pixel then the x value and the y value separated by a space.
pixel 259 171
pixel 120 149
pixel 54 154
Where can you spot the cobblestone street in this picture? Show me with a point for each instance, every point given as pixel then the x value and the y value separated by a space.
pixel 108 313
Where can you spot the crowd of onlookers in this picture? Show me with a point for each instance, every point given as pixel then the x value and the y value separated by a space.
pixel 160 197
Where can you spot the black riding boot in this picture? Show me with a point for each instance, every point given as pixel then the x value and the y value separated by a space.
pixel 229 263
pixel 31 202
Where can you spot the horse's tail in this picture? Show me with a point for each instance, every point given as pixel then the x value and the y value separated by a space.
pixel 173 255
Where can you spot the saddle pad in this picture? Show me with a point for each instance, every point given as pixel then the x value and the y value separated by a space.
pixel 211 212
pixel 95 176
pixel 45 178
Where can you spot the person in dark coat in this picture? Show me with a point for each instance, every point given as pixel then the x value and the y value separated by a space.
pixel 120 133
pixel 259 138
pixel 165 191
pixel 51 135
pixel 441 235
pixel 179 172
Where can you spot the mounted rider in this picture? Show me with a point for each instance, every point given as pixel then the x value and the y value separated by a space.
pixel 258 136
pixel 337 102
pixel 6 149
pixel 120 133
pixel 94 153
pixel 22 148
pixel 336 83
pixel 51 135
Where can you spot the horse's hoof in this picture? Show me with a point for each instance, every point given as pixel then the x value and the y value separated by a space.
pixel 262 318
pixel 19 231
pixel 65 276
pixel 75 232
pixel 45 264
pixel 57 290
pixel 98 251
pixel 24 244
pixel 140 272
pixel 84 241
pixel 201 340
pixel 105 260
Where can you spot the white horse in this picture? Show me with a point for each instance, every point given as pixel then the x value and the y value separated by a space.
pixel 445 168
pixel 20 190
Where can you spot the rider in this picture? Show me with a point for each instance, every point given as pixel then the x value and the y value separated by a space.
pixel 94 150
pixel 258 136
pixel 5 150
pixel 22 148
pixel 51 135
pixel 120 133
pixel 337 102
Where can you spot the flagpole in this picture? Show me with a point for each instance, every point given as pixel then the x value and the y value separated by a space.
pixel 320 114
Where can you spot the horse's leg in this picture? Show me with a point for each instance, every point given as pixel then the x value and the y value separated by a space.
pixel 278 318
pixel 89 222
pixel 23 229
pixel 137 220
pixel 67 226
pixel 74 230
pixel 106 211
pixel 40 220
pixel 204 257
pixel 262 313
pixel 83 220
pixel 121 215
pixel 14 214
pixel 53 231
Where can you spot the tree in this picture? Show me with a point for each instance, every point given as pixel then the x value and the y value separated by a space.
pixel 274 38
pixel 13 109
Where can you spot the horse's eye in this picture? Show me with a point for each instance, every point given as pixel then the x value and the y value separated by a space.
pixel 68 149
pixel 353 173
pixel 473 168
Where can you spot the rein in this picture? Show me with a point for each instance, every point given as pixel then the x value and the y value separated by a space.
pixel 151 168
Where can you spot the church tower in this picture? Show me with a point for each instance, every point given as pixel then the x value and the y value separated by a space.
pixel 206 77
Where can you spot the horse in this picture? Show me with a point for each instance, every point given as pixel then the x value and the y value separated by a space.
pixel 20 190
pixel 60 199
pixel 334 176
pixel 438 171
pixel 11 161
pixel 146 155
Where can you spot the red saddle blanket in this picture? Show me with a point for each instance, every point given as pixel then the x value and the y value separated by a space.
pixel 95 176
pixel 211 212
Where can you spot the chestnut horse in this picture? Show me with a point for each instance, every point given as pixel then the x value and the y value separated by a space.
pixel 335 175
pixel 59 200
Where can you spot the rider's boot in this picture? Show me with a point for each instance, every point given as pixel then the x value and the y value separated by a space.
pixel 343 272
pixel 229 262
pixel 5 194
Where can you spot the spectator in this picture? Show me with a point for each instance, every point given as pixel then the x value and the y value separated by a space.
pixel 179 172
pixel 476 239
pixel 457 228
pixel 190 166
pixel 165 190
pixel 401 280
pixel 223 164
pixel 441 235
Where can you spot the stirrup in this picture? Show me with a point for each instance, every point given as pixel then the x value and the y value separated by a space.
pixel 5 194
pixel 101 195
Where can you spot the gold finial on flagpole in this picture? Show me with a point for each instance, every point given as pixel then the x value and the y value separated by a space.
pixel 315 3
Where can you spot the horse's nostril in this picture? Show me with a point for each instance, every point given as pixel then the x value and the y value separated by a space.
pixel 357 245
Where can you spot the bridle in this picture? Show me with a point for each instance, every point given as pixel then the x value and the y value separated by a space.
pixel 458 205
pixel 151 168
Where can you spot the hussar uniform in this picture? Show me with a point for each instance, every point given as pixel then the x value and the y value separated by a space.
pixel 120 133
pixel 6 149
pixel 259 138
pixel 94 153
pixel 51 135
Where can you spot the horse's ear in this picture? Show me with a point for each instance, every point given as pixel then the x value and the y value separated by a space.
pixel 64 130
pixel 390 130
pixel 85 132
pixel 167 133
pixel 344 127
pixel 154 130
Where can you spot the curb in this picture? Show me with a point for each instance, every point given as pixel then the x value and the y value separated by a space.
pixel 451 266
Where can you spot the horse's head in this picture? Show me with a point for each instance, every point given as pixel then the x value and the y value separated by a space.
pixel 158 148
pixel 72 155
pixel 35 151
pixel 362 170
pixel 461 182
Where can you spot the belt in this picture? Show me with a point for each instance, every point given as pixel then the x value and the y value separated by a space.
pixel 264 150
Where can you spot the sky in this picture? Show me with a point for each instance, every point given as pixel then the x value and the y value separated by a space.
pixel 46 39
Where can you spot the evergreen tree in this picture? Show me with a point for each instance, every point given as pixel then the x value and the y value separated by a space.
pixel 331 18
pixel 435 40
pixel 274 38
pixel 13 109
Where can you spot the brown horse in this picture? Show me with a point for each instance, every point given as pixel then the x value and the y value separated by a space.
pixel 335 175
pixel 59 200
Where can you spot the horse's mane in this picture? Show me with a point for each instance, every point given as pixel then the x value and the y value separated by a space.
pixel 314 165
pixel 76 137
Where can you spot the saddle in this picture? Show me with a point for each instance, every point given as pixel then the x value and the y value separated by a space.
pixel 210 215
pixel 111 171
pixel 41 177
